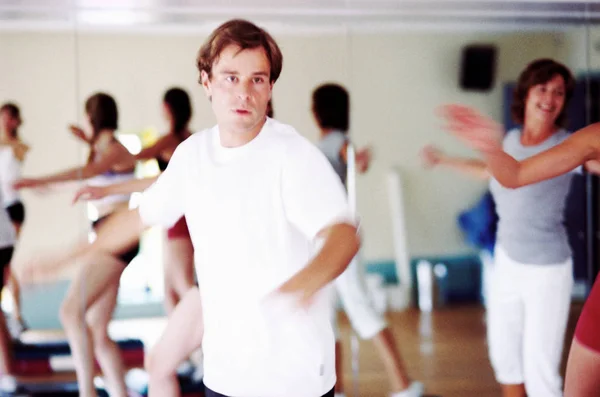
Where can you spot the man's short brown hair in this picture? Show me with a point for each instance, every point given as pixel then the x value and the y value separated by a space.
pixel 245 35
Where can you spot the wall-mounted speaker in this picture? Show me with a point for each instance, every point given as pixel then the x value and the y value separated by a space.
pixel 478 67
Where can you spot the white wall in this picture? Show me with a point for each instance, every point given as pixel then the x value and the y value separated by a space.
pixel 396 80
pixel 583 48
pixel 38 72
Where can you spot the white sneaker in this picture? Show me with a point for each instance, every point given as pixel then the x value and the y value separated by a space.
pixel 415 389
pixel 185 368
pixel 136 379
pixel 8 383
pixel 198 373
pixel 99 382
pixel 15 327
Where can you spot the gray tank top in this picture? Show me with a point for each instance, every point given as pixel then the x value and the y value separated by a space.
pixel 531 218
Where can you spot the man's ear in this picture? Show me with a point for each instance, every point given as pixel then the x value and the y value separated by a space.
pixel 206 84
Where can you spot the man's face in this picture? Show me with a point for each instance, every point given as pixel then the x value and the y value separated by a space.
pixel 239 88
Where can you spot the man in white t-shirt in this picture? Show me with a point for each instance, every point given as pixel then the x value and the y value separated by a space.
pixel 271 229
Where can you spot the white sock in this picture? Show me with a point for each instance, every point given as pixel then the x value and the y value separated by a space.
pixel 8 383
pixel 185 367
pixel 198 373
pixel 415 389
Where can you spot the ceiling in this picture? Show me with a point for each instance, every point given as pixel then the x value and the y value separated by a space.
pixel 295 14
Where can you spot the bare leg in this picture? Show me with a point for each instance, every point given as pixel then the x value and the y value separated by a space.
pixel 178 270
pixel 181 337
pixel 107 351
pixel 13 284
pixel 339 372
pixel 94 275
pixel 6 358
pixel 15 291
pixel 583 371
pixel 386 346
pixel 5 348
pixel 370 324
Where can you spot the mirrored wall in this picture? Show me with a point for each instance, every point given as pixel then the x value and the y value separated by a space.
pixel 400 65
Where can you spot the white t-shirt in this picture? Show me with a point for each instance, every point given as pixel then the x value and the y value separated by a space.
pixel 9 173
pixel 254 213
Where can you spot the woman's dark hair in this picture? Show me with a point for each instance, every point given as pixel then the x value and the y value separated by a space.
pixel 15 113
pixel 102 110
pixel 331 106
pixel 180 106
pixel 540 72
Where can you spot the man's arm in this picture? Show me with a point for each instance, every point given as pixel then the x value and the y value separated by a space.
pixel 315 203
pixel 340 246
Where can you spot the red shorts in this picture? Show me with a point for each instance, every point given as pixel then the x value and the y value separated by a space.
pixel 179 230
pixel 588 326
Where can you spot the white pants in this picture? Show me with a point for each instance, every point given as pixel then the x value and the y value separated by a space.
pixel 351 289
pixel 527 311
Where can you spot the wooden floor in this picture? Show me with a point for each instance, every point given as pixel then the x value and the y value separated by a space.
pixel 446 350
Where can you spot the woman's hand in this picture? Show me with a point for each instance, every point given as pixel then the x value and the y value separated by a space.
pixel 87 193
pixel 474 129
pixel 363 159
pixel 78 133
pixel 431 156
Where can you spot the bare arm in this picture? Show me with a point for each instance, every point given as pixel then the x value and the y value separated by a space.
pixel 132 186
pixel 153 151
pixel 78 133
pixel 485 135
pixel 576 150
pixel 362 157
pixel 340 246
pixel 111 156
pixel 432 156
pixel 593 166
pixel 98 192
pixel 19 149
pixel 471 167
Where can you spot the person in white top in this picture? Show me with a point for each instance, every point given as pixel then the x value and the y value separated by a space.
pixel 331 109
pixel 92 296
pixel 10 121
pixel 7 241
pixel 271 229
pixel 178 251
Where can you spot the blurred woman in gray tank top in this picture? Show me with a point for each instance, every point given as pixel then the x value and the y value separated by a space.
pixel 531 281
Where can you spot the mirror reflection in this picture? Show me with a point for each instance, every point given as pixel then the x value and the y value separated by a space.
pixel 152 255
